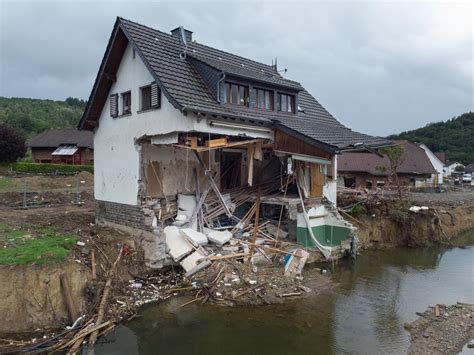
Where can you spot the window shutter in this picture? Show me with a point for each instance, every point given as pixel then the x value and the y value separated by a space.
pixel 114 105
pixel 155 95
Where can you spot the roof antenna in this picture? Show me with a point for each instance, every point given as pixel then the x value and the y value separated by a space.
pixel 182 55
pixel 275 64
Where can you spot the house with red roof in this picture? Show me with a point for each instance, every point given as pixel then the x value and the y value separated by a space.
pixel 370 170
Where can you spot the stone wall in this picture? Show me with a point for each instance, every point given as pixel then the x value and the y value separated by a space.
pixel 136 221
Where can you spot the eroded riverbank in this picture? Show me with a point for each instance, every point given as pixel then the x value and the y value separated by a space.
pixel 365 313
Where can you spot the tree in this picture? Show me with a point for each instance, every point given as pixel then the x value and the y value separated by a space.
pixel 460 168
pixel 395 155
pixel 12 144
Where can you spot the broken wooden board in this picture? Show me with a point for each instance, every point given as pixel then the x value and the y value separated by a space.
pixel 295 263
pixel 218 142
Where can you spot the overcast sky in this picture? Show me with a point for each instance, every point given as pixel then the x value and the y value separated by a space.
pixel 379 67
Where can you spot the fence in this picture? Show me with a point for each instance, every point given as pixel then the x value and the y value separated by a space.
pixel 30 191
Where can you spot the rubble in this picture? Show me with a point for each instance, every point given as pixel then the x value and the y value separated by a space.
pixel 219 237
pixel 178 246
pixel 195 238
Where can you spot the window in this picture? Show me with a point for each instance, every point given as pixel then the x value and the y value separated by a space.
pixel 126 103
pixel 286 103
pixel 264 99
pixel 236 94
pixel 145 95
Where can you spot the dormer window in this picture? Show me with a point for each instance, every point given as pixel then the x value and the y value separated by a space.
pixel 236 94
pixel 286 103
pixel 264 99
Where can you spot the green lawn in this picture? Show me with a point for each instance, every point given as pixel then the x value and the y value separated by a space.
pixel 26 245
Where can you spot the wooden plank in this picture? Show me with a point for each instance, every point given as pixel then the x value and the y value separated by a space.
pixel 255 227
pixel 228 145
pixel 218 142
pixel 258 153
pixel 317 181
pixel 250 155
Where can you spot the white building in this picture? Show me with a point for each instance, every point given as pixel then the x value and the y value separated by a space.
pixel 438 165
pixel 170 114
pixel 451 168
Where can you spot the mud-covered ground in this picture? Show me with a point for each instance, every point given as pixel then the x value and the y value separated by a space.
pixel 442 329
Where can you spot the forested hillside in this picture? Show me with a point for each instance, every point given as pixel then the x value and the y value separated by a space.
pixel 455 137
pixel 32 116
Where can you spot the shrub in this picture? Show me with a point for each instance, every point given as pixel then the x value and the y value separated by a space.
pixel 358 210
pixel 35 168
pixel 12 144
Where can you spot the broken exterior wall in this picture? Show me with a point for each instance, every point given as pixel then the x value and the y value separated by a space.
pixel 173 167
pixel 136 221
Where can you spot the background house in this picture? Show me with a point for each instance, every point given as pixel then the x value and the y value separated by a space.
pixel 450 168
pixel 469 168
pixel 366 170
pixel 63 146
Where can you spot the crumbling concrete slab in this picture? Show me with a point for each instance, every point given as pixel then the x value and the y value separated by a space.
pixel 194 237
pixel 195 262
pixel 178 246
pixel 219 237
pixel 186 206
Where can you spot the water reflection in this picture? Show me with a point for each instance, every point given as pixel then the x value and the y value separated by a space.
pixel 364 314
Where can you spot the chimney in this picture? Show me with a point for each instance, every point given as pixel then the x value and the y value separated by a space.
pixel 188 35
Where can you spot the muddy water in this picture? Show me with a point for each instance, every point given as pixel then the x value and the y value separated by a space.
pixel 364 314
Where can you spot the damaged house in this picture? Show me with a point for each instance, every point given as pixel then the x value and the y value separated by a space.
pixel 204 140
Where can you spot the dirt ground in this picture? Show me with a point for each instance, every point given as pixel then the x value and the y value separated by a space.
pixel 442 329
pixel 45 190
pixel 383 221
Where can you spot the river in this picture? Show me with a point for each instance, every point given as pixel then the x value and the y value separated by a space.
pixel 364 314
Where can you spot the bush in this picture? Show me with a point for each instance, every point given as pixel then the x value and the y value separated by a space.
pixel 35 168
pixel 358 210
pixel 12 144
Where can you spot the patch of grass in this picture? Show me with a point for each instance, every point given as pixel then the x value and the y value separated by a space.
pixel 6 183
pixel 45 245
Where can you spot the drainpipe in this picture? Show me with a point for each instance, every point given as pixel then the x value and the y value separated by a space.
pixel 219 87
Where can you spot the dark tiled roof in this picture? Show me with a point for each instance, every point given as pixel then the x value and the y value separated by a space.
pixel 469 168
pixel 414 161
pixel 53 138
pixel 441 156
pixel 272 78
pixel 186 89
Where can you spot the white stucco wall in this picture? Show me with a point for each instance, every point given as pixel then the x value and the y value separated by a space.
pixel 330 188
pixel 116 156
pixel 437 164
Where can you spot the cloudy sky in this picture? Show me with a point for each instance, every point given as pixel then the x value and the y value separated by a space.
pixel 379 67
